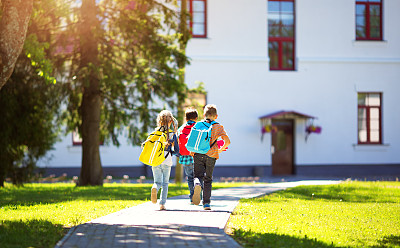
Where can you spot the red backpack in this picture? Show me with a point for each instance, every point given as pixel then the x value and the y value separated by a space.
pixel 183 138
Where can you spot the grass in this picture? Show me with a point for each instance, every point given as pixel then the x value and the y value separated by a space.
pixel 38 215
pixel 350 214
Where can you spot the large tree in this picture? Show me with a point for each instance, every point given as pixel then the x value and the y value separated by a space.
pixel 126 57
pixel 30 101
pixel 15 16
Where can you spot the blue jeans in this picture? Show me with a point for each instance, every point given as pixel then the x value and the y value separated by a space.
pixel 189 171
pixel 161 180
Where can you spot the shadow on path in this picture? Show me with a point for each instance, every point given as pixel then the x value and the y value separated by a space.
pixel 105 235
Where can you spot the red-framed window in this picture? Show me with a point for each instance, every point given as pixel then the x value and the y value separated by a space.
pixel 281 34
pixel 198 17
pixel 370 118
pixel 369 19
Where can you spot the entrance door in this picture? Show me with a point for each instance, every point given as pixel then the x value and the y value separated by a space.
pixel 282 148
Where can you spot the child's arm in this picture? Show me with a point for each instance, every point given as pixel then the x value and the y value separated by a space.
pixel 227 142
pixel 176 146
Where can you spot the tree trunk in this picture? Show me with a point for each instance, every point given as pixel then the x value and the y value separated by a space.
pixel 91 171
pixel 13 27
pixel 2 177
pixel 182 43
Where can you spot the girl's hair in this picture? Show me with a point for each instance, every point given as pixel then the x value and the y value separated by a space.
pixel 164 117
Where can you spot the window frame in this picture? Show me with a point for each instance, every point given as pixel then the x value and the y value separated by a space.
pixel 190 10
pixel 281 40
pixel 368 118
pixel 367 5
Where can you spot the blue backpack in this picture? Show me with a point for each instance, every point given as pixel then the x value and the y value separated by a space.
pixel 200 137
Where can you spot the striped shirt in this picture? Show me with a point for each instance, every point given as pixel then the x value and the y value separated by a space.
pixel 217 131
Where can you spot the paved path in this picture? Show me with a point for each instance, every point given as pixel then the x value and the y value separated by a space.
pixel 182 225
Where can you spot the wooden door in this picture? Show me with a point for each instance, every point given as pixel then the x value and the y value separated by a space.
pixel 282 148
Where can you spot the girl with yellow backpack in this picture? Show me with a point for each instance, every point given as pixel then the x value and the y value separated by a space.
pixel 157 152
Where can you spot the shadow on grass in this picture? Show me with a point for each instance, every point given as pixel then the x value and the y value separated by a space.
pixel 389 241
pixel 33 233
pixel 55 193
pixel 252 239
pixel 28 196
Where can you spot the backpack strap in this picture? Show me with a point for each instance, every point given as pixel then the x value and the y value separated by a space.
pixel 212 123
pixel 214 143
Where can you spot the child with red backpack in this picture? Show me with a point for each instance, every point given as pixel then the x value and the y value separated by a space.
pixel 186 159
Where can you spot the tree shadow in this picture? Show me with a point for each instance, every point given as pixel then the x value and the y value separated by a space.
pixel 252 239
pixel 173 235
pixel 28 196
pixel 32 233
pixel 389 241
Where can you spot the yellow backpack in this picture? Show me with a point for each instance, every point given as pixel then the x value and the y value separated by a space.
pixel 153 148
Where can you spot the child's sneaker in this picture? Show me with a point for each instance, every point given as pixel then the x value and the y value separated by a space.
pixel 207 206
pixel 154 195
pixel 162 207
pixel 196 195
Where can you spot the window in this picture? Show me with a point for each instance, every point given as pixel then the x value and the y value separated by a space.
pixel 281 31
pixel 198 17
pixel 369 118
pixel 369 19
pixel 77 139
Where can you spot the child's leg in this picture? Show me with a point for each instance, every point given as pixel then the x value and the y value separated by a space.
pixel 157 176
pixel 199 170
pixel 210 163
pixel 199 166
pixel 189 171
pixel 166 171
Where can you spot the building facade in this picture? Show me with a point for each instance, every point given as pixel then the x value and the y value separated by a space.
pixel 276 68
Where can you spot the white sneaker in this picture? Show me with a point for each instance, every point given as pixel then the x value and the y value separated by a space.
pixel 197 192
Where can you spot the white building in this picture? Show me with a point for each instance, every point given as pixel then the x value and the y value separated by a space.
pixel 335 60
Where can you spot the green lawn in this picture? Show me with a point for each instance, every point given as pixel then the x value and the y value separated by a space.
pixel 38 215
pixel 350 214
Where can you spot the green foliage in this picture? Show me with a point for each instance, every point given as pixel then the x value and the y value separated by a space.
pixel 35 51
pixel 353 214
pixel 28 110
pixel 200 88
pixel 30 101
pixel 137 66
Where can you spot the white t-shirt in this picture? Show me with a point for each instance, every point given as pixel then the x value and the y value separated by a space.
pixel 168 159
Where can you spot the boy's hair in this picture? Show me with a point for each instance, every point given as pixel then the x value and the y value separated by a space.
pixel 191 114
pixel 210 110
pixel 164 117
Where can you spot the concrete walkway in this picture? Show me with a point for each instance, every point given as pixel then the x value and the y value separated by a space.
pixel 181 225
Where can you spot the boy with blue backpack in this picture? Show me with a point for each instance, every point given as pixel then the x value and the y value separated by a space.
pixel 202 142
pixel 185 158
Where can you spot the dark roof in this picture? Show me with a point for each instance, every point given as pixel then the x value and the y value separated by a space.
pixel 286 114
